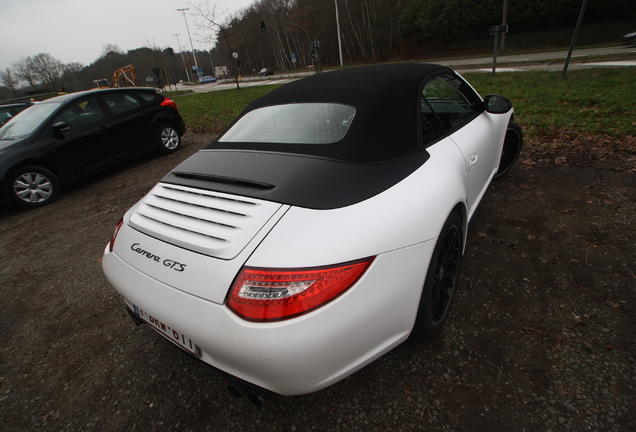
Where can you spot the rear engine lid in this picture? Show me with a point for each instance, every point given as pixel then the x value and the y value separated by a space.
pixel 192 240
pixel 210 223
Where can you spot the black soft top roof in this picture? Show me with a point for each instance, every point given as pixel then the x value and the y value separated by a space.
pixel 386 99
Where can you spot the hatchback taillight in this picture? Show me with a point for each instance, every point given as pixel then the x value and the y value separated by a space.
pixel 170 103
pixel 272 295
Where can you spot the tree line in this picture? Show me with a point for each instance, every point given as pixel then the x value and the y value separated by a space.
pixel 381 30
pixel 43 73
pixel 282 34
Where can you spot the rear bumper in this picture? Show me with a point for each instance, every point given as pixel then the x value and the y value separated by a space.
pixel 300 355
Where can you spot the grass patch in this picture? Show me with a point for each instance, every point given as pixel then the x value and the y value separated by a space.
pixel 212 112
pixel 172 94
pixel 591 34
pixel 593 107
pixel 590 110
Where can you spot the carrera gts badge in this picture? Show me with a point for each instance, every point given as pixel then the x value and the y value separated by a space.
pixel 174 265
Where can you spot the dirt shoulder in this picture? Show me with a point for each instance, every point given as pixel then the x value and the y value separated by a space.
pixel 542 335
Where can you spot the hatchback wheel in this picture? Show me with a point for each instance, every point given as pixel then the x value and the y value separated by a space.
pixel 168 138
pixel 441 280
pixel 33 186
pixel 511 149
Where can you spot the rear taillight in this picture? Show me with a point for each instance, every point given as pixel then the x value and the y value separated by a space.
pixel 273 295
pixel 111 245
pixel 170 103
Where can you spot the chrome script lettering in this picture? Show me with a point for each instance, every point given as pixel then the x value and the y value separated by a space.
pixel 135 247
pixel 174 265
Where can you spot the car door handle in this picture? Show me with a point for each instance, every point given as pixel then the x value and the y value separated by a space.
pixel 103 129
pixel 472 161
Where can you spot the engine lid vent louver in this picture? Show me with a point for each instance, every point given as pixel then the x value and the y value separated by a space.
pixel 211 223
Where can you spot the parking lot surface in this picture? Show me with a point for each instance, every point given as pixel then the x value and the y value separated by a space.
pixel 542 336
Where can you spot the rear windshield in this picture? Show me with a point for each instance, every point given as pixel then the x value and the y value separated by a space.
pixel 299 123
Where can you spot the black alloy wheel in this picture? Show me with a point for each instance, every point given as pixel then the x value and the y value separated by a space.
pixel 513 142
pixel 441 280
pixel 33 186
pixel 168 138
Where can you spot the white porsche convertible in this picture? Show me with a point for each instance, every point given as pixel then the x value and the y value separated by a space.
pixel 320 230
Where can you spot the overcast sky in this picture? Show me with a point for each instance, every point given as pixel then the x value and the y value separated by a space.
pixel 77 30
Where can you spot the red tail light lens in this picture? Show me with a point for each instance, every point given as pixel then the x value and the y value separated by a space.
pixel 274 295
pixel 170 103
pixel 111 245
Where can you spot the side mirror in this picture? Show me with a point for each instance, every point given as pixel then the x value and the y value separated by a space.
pixel 496 104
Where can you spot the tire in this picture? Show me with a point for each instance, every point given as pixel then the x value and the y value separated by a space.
pixel 33 186
pixel 513 142
pixel 441 280
pixel 168 139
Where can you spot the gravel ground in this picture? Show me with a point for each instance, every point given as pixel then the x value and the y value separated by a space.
pixel 541 336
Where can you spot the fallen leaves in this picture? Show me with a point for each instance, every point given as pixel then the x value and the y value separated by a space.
pixel 559 148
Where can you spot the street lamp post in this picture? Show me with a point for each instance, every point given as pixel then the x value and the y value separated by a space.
pixel 196 64
pixel 182 57
pixel 338 28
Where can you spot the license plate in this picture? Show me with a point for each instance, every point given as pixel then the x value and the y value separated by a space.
pixel 172 334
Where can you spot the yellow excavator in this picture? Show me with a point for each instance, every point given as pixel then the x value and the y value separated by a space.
pixel 129 81
pixel 128 75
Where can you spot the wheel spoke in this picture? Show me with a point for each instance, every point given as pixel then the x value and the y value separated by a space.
pixel 32 187
pixel 170 138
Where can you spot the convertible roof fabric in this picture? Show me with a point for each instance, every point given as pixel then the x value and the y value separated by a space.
pixel 387 103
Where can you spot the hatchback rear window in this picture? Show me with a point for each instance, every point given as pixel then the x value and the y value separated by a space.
pixel 296 123
pixel 147 96
pixel 121 102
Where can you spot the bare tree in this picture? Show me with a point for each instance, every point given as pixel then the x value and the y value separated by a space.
pixel 111 49
pixel 208 21
pixel 46 68
pixel 24 71
pixel 10 80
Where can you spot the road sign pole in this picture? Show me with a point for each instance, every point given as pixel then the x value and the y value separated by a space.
pixel 573 42
pixel 496 30
pixel 494 57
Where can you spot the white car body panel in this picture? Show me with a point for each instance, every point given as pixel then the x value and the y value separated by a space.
pixel 481 151
pixel 180 248
pixel 350 233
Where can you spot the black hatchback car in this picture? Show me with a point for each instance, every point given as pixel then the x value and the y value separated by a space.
pixel 69 137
